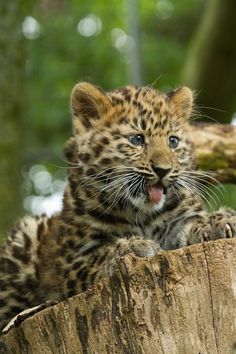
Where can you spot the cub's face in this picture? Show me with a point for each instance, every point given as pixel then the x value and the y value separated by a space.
pixel 131 142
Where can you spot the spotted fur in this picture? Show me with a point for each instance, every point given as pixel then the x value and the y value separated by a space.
pixel 132 188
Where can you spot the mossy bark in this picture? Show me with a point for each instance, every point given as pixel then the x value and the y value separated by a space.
pixel 215 150
pixel 12 101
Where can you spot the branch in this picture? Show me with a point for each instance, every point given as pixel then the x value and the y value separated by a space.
pixel 180 301
pixel 216 149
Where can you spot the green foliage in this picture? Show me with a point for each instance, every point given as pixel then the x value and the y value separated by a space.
pixel 61 56
pixel 220 196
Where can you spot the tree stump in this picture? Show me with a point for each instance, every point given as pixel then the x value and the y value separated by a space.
pixel 179 302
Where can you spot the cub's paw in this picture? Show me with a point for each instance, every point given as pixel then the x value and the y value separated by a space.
pixel 136 246
pixel 225 228
pixel 222 224
pixel 139 247
pixel 218 225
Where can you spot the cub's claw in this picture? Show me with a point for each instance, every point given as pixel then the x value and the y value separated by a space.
pixel 205 236
pixel 228 230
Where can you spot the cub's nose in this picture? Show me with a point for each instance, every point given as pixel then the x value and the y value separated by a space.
pixel 160 171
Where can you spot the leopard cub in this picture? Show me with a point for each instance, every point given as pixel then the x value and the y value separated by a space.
pixel 132 188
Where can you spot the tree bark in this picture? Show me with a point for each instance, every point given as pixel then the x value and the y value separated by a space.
pixel 180 301
pixel 215 149
pixel 134 62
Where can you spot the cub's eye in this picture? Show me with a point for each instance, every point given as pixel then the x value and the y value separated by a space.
pixel 173 142
pixel 137 140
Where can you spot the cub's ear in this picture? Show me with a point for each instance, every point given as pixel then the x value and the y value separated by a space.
pixel 88 103
pixel 182 101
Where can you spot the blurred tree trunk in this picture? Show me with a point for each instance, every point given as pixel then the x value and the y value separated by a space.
pixel 12 62
pixel 134 65
pixel 210 67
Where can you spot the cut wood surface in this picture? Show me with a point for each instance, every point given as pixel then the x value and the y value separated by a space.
pixel 215 149
pixel 179 302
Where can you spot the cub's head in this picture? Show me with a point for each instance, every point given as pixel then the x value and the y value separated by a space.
pixel 131 142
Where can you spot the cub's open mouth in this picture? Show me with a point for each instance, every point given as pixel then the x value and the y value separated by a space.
pixel 155 192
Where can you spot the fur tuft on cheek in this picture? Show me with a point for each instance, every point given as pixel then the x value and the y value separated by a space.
pixel 71 150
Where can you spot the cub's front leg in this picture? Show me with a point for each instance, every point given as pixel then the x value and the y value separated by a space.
pixel 217 225
pixel 135 245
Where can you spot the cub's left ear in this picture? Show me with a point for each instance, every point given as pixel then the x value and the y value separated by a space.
pixel 182 100
pixel 88 104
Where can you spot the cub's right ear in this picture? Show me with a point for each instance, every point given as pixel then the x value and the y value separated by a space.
pixel 182 101
pixel 88 104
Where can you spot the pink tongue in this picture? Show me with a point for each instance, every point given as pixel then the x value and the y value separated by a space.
pixel 155 193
